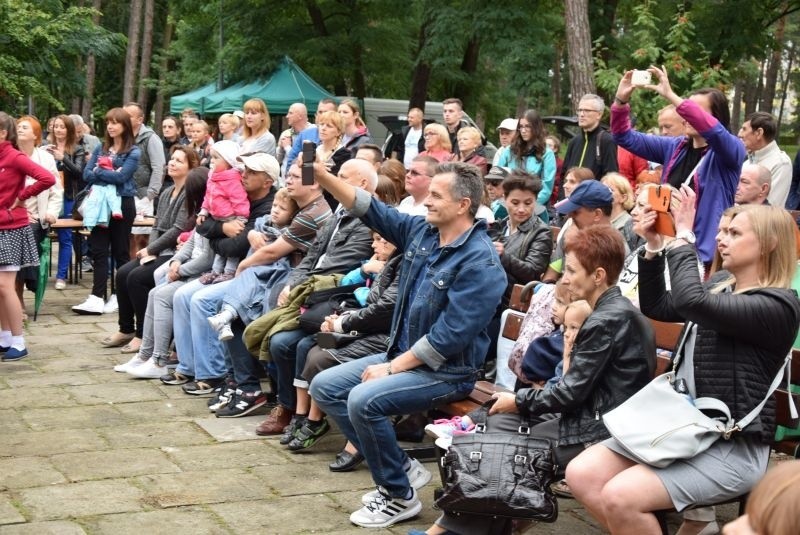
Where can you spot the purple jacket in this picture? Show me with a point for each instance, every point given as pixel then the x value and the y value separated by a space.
pixel 715 181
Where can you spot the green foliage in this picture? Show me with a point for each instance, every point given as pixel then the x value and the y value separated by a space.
pixel 40 47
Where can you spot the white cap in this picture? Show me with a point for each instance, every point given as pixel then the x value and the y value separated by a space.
pixel 227 150
pixel 508 124
pixel 262 162
pixel 239 114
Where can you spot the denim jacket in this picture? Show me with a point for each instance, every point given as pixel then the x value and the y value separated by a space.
pixel 448 318
pixel 125 166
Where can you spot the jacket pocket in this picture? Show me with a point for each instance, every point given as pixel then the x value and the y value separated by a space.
pixel 438 288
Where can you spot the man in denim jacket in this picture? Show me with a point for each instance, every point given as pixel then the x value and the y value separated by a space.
pixel 450 284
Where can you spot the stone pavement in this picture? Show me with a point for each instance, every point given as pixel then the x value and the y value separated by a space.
pixel 86 450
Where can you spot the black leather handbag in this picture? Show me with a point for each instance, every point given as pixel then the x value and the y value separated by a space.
pixel 500 474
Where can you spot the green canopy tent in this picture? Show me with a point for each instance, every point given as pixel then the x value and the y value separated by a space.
pixel 192 99
pixel 285 86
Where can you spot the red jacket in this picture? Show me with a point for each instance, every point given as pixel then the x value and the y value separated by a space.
pixel 14 167
pixel 630 165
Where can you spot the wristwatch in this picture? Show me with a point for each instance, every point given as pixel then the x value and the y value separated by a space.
pixel 687 236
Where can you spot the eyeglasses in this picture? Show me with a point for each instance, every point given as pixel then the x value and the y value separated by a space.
pixel 586 110
pixel 429 134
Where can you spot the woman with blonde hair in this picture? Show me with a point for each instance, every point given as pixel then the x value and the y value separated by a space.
pixel 256 136
pixel 623 201
pixel 743 323
pixel 331 150
pixel 227 124
pixel 437 143
pixel 355 129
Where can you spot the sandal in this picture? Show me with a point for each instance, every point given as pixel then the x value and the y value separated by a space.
pixel 117 339
pixel 562 489
pixel 174 377
pixel 132 346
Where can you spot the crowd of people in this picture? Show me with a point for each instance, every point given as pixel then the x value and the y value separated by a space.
pixel 376 290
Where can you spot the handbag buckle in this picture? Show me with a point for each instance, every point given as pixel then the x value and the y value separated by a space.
pixel 520 459
pixel 524 430
pixel 475 456
pixel 729 432
pixel 480 428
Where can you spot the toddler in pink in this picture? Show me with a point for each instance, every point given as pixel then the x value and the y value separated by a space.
pixel 225 200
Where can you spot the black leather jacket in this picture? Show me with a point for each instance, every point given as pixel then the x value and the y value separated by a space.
pixel 614 356
pixel 742 338
pixel 343 251
pixel 526 254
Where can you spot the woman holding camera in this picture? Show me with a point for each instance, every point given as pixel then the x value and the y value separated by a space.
pixel 746 320
pixel 708 159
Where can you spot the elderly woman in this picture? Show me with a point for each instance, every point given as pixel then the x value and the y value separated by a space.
pixel 437 143
pixel 469 140
pixel 613 356
pixel 744 323
pixel 135 279
pixel 256 136
pixel 622 193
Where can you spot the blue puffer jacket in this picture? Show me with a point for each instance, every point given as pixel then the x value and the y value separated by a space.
pixel 125 166
pixel 715 181
pixel 457 295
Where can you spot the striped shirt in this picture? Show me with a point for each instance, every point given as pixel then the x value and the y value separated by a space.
pixel 306 223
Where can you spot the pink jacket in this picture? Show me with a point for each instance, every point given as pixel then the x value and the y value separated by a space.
pixel 225 195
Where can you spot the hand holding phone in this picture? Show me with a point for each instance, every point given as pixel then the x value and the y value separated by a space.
pixel 309 155
pixel 641 78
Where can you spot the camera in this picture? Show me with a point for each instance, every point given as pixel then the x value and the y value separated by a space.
pixel 309 155
pixel 641 78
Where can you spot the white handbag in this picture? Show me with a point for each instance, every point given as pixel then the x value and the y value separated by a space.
pixel 659 425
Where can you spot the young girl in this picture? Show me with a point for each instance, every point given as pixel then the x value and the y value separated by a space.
pixel 574 316
pixel 225 200
pixel 283 210
pixel 201 142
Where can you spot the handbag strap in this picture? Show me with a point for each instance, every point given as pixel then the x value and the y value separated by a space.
pixel 481 415
pixel 744 422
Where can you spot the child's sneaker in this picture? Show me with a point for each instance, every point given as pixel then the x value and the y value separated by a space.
pixel 208 278
pixel 223 277
pixel 222 327
pixel 242 404
pixel 448 428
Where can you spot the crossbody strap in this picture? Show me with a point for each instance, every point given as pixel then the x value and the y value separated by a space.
pixel 744 422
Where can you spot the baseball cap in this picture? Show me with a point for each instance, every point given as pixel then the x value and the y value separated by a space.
pixel 262 162
pixel 588 194
pixel 508 124
pixel 227 150
pixel 239 114
pixel 497 173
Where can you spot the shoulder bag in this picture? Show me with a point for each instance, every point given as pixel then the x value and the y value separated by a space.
pixel 662 423
pixel 500 474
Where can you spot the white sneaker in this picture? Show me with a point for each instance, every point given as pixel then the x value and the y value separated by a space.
pixel 221 326
pixel 93 305
pixel 418 477
pixel 384 511
pixel 135 362
pixel 61 284
pixel 111 305
pixel 147 370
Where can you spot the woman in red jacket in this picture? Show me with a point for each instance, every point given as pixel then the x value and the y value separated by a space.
pixel 17 245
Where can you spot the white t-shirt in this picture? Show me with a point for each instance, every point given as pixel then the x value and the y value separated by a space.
pixel 407 206
pixel 412 146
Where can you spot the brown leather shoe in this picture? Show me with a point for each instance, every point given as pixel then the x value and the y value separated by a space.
pixel 275 422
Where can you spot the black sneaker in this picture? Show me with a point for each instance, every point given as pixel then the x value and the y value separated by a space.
pixel 223 396
pixel 288 432
pixel 174 377
pixel 202 387
pixel 308 435
pixel 242 404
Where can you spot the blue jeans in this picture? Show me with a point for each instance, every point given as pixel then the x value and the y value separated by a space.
pixel 362 410
pixel 200 352
pixel 286 348
pixel 65 243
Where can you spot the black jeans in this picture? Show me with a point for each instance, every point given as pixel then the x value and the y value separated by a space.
pixel 117 237
pixel 134 282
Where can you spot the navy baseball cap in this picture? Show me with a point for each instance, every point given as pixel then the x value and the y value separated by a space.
pixel 588 194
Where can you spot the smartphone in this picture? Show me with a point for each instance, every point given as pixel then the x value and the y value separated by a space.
pixel 641 77
pixel 659 199
pixel 309 154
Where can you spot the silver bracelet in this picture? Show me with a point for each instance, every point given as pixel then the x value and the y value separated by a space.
pixel 657 252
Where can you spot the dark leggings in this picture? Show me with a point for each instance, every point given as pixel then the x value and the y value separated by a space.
pixel 134 282
pixel 116 236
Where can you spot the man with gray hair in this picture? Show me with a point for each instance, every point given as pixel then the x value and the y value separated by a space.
pixel 593 148
pixel 84 134
pixel 758 134
pixel 449 288
pixel 754 186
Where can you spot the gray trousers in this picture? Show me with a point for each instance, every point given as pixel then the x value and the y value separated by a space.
pixel 157 329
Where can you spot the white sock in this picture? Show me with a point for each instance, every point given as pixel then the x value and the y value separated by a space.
pixel 227 313
pixel 5 338
pixel 18 342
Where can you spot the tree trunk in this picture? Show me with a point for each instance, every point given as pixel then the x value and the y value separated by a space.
pixel 147 56
pixel 158 109
pixel 736 111
pixel 91 66
pixel 771 79
pixel 579 49
pixel 131 56
pixel 555 82
pixel 785 84
pixel 318 23
pixel 422 71
pixel 469 66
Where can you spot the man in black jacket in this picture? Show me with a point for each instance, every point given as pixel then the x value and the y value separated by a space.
pixel 593 147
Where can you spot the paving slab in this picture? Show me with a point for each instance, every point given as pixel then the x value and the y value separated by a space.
pixel 231 429
pixel 245 454
pixel 155 435
pixel 114 393
pixel 51 379
pixel 164 410
pixel 8 513
pixel 24 472
pixel 87 417
pixel 50 442
pixel 65 362
pixel 213 486
pixel 296 479
pixel 43 528
pixel 183 521
pixel 11 422
pixel 282 516
pixel 86 498
pixel 36 397
pixel 113 463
